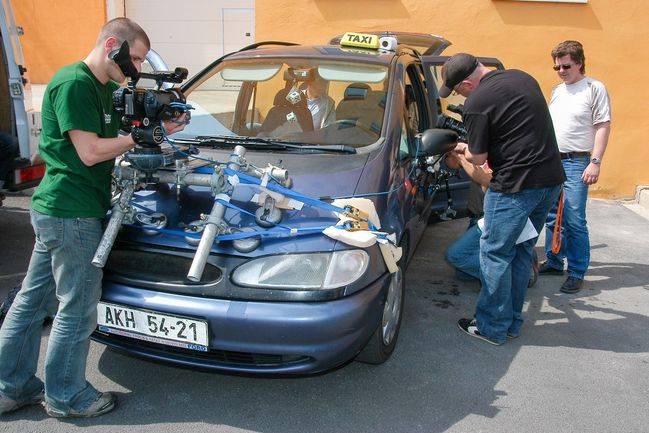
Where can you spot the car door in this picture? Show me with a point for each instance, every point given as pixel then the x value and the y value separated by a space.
pixel 451 199
pixel 415 118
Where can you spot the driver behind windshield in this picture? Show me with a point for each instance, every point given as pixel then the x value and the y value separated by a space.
pixel 320 104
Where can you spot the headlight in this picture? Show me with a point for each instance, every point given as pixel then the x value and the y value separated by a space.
pixel 318 271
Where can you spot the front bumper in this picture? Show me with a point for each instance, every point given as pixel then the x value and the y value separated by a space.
pixel 255 336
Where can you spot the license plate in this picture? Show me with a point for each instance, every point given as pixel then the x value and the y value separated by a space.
pixel 152 326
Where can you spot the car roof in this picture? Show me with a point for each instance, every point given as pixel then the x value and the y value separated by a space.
pixel 333 52
pixel 425 44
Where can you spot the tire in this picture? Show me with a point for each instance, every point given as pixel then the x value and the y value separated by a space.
pixel 384 339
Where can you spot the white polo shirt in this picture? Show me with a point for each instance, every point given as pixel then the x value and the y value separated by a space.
pixel 575 109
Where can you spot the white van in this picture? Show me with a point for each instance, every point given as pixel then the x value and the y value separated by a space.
pixel 20 166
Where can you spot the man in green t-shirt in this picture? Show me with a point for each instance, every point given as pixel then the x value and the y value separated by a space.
pixel 79 143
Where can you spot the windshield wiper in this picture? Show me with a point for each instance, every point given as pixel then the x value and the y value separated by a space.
pixel 264 143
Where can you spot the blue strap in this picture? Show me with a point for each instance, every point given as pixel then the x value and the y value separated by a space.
pixel 280 230
pixel 293 194
pixel 237 208
pixel 285 191
pixel 239 235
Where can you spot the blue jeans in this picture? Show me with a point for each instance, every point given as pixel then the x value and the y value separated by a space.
pixel 505 265
pixel 575 243
pixel 60 272
pixel 464 254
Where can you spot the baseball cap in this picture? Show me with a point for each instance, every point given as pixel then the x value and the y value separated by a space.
pixel 455 70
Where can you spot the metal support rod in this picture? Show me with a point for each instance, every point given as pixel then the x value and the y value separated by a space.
pixel 120 210
pixel 210 232
pixel 189 179
pixel 214 220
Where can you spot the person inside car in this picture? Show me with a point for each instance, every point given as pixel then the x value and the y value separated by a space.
pixel 321 105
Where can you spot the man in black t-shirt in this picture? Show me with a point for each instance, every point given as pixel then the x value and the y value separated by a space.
pixel 508 123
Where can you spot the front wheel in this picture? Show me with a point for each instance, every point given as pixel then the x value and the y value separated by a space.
pixel 381 345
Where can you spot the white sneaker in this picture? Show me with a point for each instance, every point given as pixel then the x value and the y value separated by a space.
pixel 8 405
pixel 104 404
pixel 470 327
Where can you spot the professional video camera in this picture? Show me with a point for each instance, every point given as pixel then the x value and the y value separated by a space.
pixel 447 122
pixel 143 109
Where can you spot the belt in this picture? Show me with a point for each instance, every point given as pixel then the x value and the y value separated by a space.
pixel 570 155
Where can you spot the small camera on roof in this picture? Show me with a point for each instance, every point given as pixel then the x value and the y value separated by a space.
pixel 388 43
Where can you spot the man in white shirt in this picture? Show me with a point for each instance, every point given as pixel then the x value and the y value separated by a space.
pixel 320 104
pixel 581 113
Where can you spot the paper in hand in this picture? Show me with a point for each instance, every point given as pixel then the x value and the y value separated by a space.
pixel 529 232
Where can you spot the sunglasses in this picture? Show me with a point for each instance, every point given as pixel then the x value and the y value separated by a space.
pixel 559 67
pixel 457 88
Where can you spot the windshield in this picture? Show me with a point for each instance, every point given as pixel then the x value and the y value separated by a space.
pixel 302 100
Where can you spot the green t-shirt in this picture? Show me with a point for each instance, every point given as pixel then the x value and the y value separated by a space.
pixel 75 99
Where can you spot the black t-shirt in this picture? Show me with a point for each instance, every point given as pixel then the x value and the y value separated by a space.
pixel 507 118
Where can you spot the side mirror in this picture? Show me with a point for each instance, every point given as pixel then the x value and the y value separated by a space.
pixel 436 141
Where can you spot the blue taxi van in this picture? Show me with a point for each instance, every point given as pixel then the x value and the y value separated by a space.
pixel 276 243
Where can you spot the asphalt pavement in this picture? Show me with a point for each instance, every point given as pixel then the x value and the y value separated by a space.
pixel 580 365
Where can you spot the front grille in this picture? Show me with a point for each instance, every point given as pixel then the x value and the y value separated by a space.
pixel 155 267
pixel 244 359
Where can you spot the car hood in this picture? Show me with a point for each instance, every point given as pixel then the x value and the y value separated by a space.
pixel 318 176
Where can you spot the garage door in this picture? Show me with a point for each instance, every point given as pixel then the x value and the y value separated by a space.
pixel 196 34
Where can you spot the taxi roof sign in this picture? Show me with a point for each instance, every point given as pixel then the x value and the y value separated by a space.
pixel 360 40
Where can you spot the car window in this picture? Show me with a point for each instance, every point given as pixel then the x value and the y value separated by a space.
pixel 305 100
pixel 415 111
pixel 454 103
pixel 416 99
pixel 405 147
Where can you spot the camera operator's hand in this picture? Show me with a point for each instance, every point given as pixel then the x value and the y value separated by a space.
pixel 177 124
pixel 460 148
pixel 452 160
pixel 480 174
pixel 474 158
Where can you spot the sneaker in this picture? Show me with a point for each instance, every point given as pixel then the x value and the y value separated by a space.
pixel 546 269
pixel 512 336
pixel 571 285
pixel 470 327
pixel 105 403
pixel 8 405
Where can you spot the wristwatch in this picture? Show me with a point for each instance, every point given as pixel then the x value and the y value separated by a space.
pixel 596 160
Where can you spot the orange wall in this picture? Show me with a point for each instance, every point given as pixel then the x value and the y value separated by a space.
pixel 57 33
pixel 521 34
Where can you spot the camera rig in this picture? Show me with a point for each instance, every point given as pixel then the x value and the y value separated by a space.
pixel 448 122
pixel 143 110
